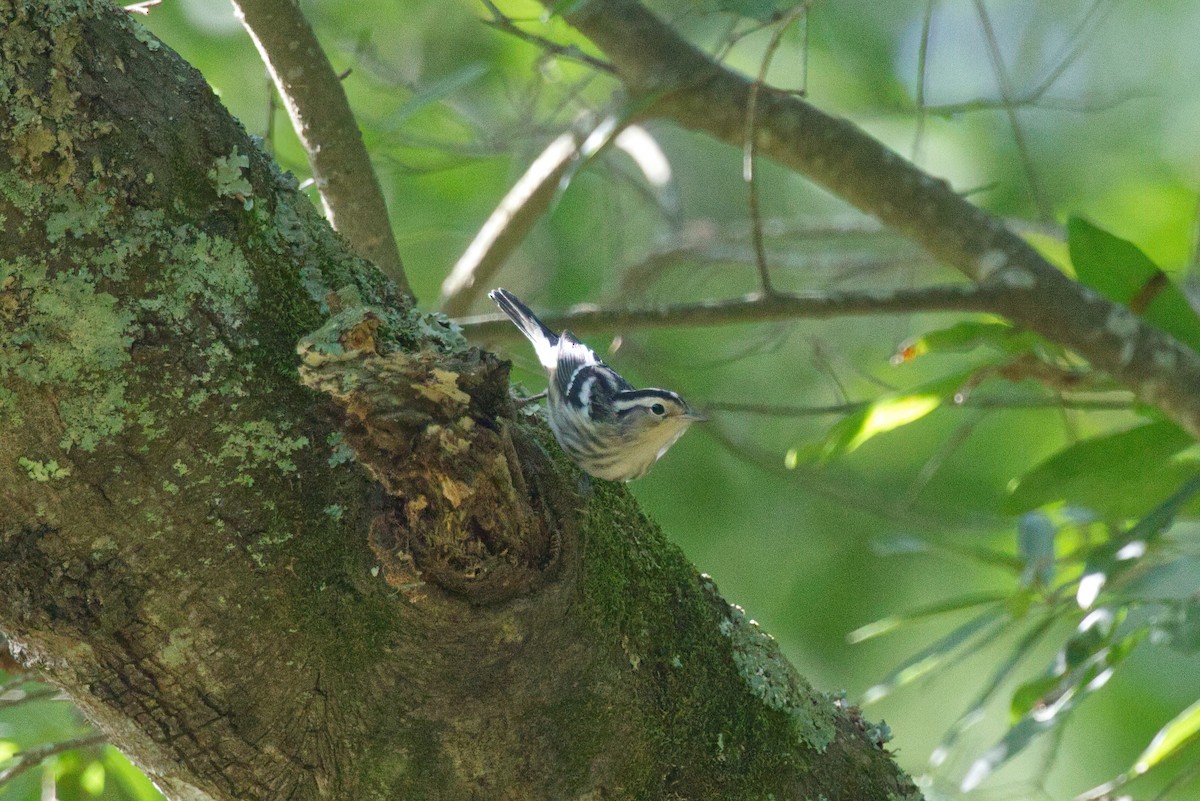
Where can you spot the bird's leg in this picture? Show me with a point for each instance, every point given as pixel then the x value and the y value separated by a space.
pixel 530 399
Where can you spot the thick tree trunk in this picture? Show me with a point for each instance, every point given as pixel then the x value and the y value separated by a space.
pixel 364 578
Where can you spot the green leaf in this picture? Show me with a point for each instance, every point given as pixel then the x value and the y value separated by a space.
pixel 1182 730
pixel 435 93
pixel 92 778
pixel 1119 270
pixel 132 781
pixel 1182 630
pixel 983 626
pixel 1035 544
pixel 887 413
pixel 1114 557
pixel 893 622
pixel 965 336
pixel 1118 475
pixel 1047 700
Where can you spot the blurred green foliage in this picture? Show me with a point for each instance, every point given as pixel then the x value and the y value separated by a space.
pixel 1019 529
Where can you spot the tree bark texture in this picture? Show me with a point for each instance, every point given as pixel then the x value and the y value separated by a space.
pixel 354 573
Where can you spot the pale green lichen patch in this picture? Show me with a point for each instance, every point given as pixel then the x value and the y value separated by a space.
pixel 202 271
pixel 43 471
pixel 257 444
pixel 773 680
pixel 63 331
pixel 228 175
pixel 77 216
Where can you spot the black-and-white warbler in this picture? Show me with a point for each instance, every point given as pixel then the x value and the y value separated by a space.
pixel 606 426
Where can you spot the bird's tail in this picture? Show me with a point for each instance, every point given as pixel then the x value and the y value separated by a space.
pixel 545 341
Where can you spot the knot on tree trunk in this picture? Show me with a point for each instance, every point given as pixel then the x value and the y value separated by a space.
pixel 435 430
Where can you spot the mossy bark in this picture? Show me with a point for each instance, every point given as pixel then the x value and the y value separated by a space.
pixel 357 573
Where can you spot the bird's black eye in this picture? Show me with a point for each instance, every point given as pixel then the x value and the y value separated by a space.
pixel 658 409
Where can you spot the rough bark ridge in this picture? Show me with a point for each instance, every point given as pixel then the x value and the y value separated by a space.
pixel 378 585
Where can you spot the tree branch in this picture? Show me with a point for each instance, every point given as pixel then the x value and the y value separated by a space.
pixel 391 586
pixel 969 402
pixel 753 308
pixel 507 226
pixel 677 81
pixel 322 118
pixel 35 756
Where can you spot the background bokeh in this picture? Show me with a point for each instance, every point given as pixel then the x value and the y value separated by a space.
pixel 1107 126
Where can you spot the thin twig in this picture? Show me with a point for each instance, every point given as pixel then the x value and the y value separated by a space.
pixel 946 448
pixel 501 22
pixel 922 61
pixel 748 148
pixel 850 492
pixel 1002 82
pixel 508 225
pixel 969 402
pixel 518 211
pixel 34 756
pixel 29 697
pixel 1030 100
pixel 320 113
pixel 754 308
pixel 1074 45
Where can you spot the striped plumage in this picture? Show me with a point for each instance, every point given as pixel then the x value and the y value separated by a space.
pixel 606 426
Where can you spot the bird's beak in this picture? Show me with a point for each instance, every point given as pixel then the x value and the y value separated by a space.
pixel 695 417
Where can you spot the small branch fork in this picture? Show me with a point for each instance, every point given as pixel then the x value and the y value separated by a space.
pixel 674 80
pixel 320 113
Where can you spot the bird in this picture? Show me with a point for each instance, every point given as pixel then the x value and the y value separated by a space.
pixel 608 428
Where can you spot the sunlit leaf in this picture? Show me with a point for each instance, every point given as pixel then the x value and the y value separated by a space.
pixel 888 413
pixel 1119 270
pixel 8 749
pixel 92 778
pixel 1120 474
pixel 1182 730
pixel 893 622
pixel 122 772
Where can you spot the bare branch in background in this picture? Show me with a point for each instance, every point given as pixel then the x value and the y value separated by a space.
pixel 851 492
pixel 39 694
pixel 322 118
pixel 1086 404
pixel 922 76
pixel 1045 212
pixel 509 224
pixel 675 80
pixel 35 756
pixel 748 172
pixel 753 308
pixel 832 256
